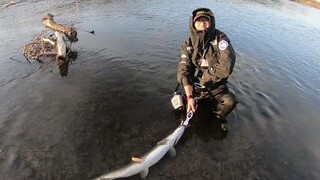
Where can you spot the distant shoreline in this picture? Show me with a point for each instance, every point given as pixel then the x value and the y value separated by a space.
pixel 311 3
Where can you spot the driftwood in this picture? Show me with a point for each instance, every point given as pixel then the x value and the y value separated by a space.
pixel 49 41
pixel 312 3
pixel 9 4
pixel 70 32
pixel 61 45
pixel 50 47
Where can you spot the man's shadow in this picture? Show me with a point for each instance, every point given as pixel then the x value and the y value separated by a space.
pixel 204 123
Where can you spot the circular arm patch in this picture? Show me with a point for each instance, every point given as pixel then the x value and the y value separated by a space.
pixel 223 45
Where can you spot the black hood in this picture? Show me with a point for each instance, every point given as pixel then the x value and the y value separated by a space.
pixel 199 38
pixel 205 11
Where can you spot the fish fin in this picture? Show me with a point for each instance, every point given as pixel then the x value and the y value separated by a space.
pixel 172 152
pixel 144 173
pixel 136 160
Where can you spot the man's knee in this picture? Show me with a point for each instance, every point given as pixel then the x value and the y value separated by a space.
pixel 226 104
pixel 228 100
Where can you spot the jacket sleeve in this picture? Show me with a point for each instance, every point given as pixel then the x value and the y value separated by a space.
pixel 226 59
pixel 185 72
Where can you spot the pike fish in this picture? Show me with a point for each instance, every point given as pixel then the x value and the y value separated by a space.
pixel 141 165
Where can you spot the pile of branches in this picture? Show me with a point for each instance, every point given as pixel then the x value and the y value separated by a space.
pixel 55 46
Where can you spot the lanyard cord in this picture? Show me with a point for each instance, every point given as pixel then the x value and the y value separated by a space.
pixel 205 50
pixel 206 47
